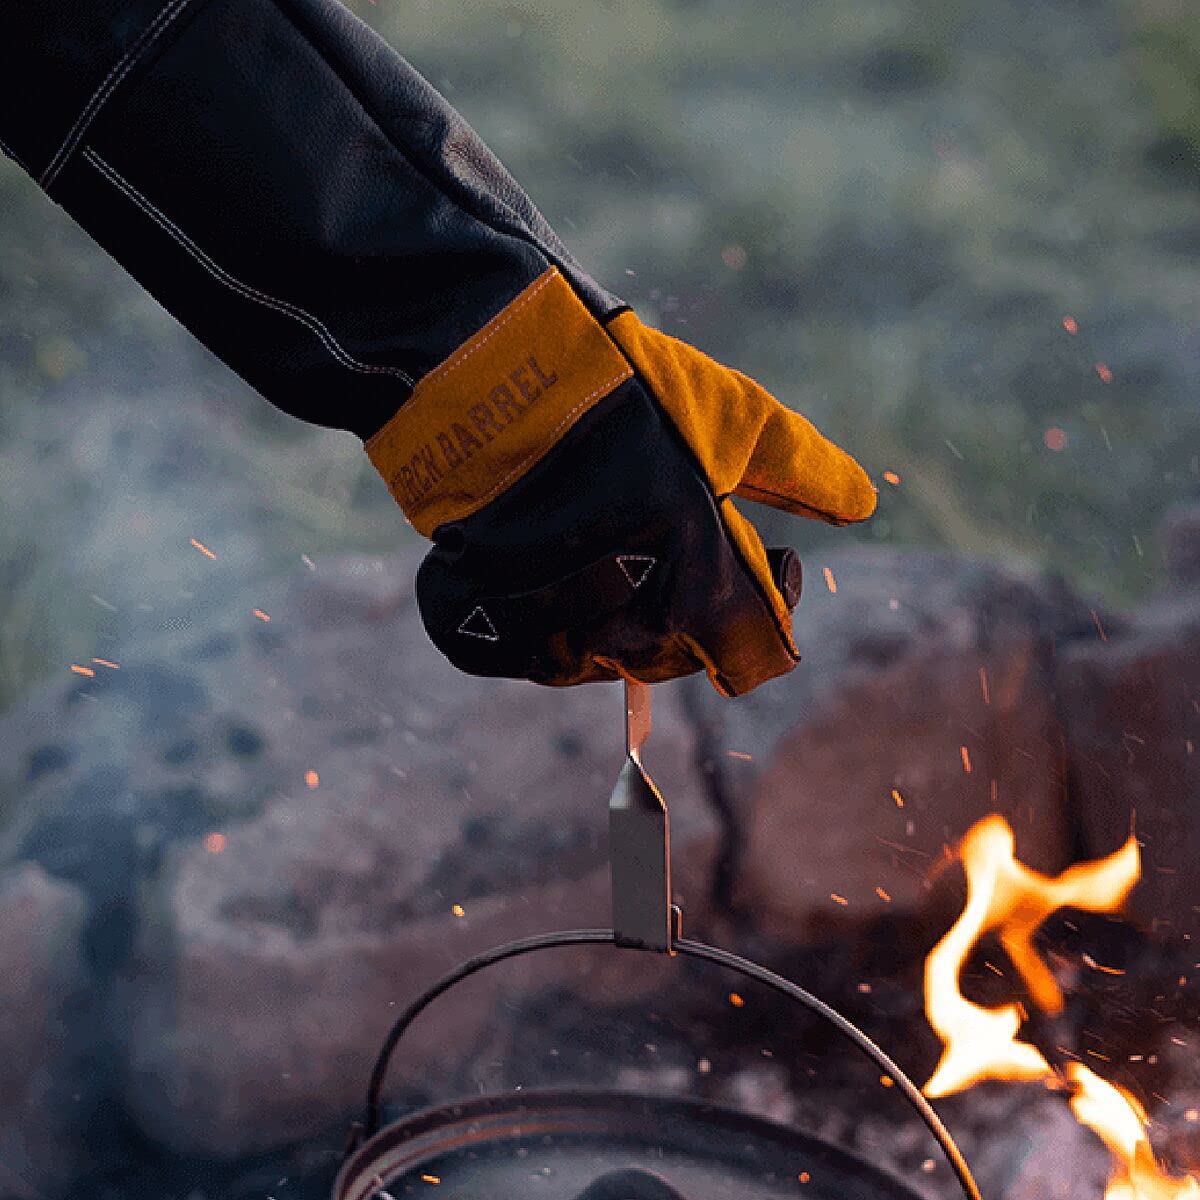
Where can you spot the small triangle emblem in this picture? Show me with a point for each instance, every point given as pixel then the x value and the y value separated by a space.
pixel 636 567
pixel 479 625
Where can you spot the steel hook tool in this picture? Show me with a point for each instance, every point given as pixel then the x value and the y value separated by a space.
pixel 639 832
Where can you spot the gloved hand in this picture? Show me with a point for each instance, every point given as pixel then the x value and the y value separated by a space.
pixel 576 479
pixel 310 207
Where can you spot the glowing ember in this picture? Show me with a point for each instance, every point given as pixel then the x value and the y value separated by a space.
pixel 312 779
pixel 892 478
pixel 734 257
pixel 830 582
pixel 1070 325
pixel 1104 371
pixel 82 670
pixel 262 616
pixel 214 843
pixel 202 548
pixel 1010 900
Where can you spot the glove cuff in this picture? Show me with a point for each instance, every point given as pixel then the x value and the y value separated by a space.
pixel 482 418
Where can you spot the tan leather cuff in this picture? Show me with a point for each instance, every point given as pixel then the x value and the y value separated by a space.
pixel 480 420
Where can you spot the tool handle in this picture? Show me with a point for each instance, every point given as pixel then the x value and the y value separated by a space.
pixel 639 717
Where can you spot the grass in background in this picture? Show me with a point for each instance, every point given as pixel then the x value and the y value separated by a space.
pixel 884 211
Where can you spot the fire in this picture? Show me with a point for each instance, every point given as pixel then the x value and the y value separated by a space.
pixel 1121 1122
pixel 1010 900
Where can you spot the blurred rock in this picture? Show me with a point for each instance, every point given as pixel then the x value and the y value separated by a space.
pixel 1181 544
pixel 44 1088
pixel 272 820
pixel 350 789
pixel 1132 710
pixel 1055 1158
pixel 925 700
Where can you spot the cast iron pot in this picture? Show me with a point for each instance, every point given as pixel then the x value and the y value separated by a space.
pixel 601 1145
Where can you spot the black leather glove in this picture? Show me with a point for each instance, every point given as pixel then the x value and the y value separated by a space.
pixel 318 216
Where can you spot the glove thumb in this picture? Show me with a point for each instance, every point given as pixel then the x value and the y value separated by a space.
pixel 795 468
pixel 746 441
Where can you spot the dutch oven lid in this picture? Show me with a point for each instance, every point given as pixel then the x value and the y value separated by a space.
pixel 596 1145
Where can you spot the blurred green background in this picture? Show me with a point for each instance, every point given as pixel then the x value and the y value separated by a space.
pixel 962 235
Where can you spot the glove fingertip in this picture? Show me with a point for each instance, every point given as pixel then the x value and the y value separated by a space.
pixel 861 495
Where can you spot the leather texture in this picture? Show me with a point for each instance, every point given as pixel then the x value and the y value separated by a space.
pixel 301 199
pixel 608 558
pixel 498 404
pixel 569 549
pixel 283 182
pixel 61 62
pixel 748 444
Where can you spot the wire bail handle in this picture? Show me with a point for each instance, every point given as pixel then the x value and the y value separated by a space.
pixel 645 918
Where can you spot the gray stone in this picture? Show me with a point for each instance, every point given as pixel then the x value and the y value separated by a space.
pixel 275 947
pixel 44 1088
pixel 1053 1157
pixel 1181 544
pixel 1132 711
pixel 850 776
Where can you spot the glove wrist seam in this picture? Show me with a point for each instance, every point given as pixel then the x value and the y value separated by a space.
pixel 487 414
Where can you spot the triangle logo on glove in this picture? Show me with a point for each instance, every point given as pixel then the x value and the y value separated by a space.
pixel 635 568
pixel 479 625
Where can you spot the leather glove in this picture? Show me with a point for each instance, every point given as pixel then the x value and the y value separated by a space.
pixel 576 479
pixel 309 206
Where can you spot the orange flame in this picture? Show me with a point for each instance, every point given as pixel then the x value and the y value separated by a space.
pixel 1008 899
pixel 1121 1122
pixel 1011 900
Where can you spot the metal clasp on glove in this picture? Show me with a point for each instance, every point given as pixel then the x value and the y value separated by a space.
pixel 639 833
